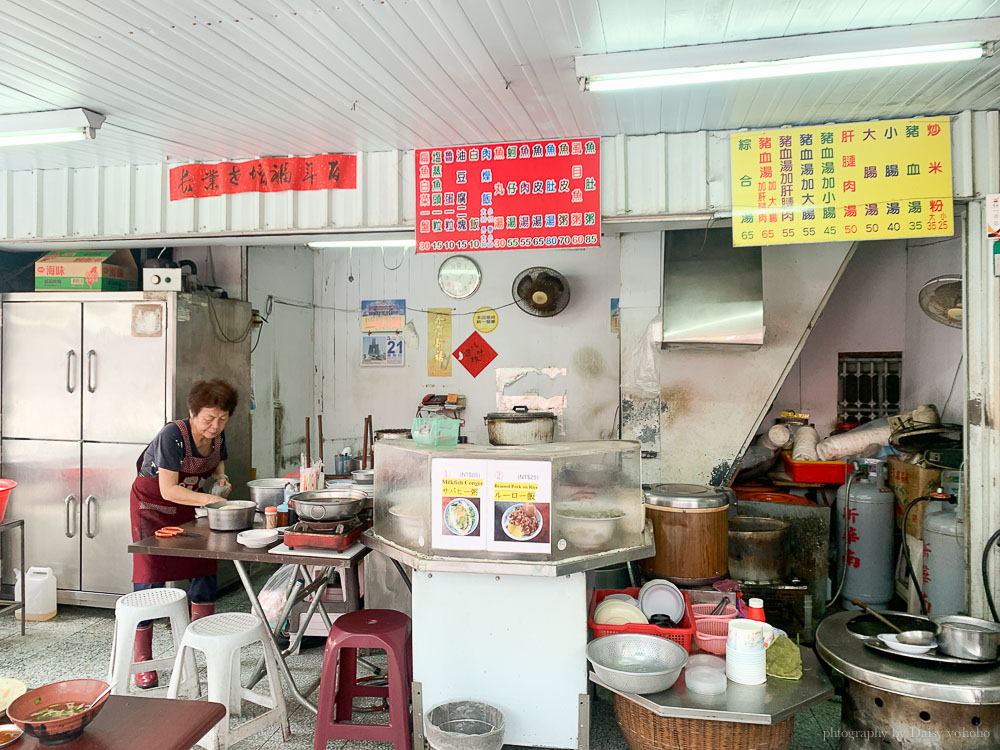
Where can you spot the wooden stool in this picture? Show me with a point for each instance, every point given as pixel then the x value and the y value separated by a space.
pixel 383 629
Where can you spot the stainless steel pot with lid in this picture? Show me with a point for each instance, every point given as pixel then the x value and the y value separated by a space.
pixel 520 427
pixel 689 496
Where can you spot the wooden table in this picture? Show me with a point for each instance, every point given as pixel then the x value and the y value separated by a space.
pixel 128 722
pixel 222 545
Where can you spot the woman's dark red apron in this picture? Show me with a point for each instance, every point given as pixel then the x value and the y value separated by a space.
pixel 149 511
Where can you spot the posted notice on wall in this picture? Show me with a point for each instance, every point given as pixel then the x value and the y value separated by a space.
pixel 383 315
pixel 382 350
pixel 459 491
pixel 503 506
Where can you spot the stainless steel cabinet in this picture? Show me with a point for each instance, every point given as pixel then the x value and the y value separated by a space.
pixel 41 370
pixel 86 381
pixel 47 498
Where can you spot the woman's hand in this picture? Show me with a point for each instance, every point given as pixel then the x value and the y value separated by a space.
pixel 223 482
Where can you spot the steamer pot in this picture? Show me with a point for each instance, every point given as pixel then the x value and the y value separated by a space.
pixel 521 427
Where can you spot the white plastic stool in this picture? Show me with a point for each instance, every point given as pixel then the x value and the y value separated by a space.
pixel 134 608
pixel 221 637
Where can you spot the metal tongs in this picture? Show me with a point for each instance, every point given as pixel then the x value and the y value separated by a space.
pixel 720 607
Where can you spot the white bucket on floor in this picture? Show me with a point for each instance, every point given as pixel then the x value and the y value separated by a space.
pixel 40 596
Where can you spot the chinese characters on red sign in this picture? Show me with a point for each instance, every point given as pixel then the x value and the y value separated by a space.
pixel 268 175
pixel 508 195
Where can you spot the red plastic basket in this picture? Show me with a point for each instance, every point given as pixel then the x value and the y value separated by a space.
pixel 704 612
pixel 681 635
pixel 815 472
pixel 6 485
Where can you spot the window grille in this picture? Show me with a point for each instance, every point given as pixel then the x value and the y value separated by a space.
pixel 868 385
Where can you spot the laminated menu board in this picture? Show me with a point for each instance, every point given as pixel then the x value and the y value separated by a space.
pixel 519 510
pixel 460 488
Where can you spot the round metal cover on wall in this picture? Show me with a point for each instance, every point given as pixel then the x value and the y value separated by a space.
pixel 540 291
pixel 687 496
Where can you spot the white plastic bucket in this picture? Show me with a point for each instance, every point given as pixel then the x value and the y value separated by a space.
pixel 40 596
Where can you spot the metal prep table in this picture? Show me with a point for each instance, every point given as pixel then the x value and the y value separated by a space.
pixel 892 702
pixel 13 605
pixel 771 703
pixel 220 545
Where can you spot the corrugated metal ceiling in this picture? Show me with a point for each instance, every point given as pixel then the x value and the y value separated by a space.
pixel 209 79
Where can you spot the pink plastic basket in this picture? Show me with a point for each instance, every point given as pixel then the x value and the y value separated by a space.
pixel 711 635
pixel 703 612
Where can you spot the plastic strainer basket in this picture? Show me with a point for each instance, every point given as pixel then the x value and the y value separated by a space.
pixel 464 725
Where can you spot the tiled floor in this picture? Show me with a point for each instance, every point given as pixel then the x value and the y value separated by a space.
pixel 78 641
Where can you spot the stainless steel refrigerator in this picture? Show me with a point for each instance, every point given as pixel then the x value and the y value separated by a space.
pixel 86 381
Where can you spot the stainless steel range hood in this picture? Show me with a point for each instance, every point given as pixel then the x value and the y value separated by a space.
pixel 713 293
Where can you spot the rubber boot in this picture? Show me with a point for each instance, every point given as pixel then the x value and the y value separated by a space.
pixel 201 609
pixel 142 650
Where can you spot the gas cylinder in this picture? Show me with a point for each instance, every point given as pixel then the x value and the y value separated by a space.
pixel 943 580
pixel 863 529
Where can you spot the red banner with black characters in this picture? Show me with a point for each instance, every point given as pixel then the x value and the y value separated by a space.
pixel 266 175
pixel 529 194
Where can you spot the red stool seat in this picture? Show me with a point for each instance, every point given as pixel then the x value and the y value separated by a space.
pixel 383 629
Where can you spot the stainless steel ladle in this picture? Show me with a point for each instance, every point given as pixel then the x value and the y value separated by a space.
pixel 908 637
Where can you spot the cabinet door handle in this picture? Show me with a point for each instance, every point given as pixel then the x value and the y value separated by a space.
pixel 70 499
pixel 70 380
pixel 91 356
pixel 88 501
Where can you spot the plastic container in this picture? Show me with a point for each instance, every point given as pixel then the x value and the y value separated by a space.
pixel 40 594
pixel 440 431
pixel 270 517
pixel 815 472
pixel 464 725
pixel 706 680
pixel 6 485
pixel 681 635
pixel 756 610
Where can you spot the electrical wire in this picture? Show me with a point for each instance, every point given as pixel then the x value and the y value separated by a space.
pixel 304 305
pixel 986 575
pixel 218 325
pixel 952 389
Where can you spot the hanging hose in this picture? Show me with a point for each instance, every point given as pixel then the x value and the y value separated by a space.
pixel 906 548
pixel 986 575
pixel 847 515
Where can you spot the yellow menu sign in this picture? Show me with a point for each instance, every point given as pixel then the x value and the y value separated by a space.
pixel 885 179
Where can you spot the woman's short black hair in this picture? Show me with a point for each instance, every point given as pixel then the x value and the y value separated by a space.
pixel 212 394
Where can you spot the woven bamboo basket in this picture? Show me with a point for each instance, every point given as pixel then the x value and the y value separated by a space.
pixel 644 730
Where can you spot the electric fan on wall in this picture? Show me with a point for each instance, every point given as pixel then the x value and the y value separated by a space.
pixel 941 299
pixel 540 291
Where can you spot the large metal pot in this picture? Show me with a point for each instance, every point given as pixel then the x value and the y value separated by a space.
pixel 267 492
pixel 231 515
pixel 967 637
pixel 757 549
pixel 328 505
pixel 520 427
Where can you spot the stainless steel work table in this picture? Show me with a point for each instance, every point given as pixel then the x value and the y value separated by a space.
pixel 222 545
pixel 771 703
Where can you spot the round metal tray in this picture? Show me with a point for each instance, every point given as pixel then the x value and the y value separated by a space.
pixel 931 656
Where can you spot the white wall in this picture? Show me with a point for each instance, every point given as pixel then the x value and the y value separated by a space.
pixel 578 339
pixel 866 313
pixel 283 358
pixel 874 308
pixel 932 351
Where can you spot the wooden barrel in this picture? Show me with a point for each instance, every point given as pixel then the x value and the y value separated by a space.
pixel 690 531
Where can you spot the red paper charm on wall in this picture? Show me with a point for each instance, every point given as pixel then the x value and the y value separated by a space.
pixel 475 354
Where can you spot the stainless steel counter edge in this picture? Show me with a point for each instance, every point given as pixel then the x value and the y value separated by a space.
pixel 421 562
pixel 930 689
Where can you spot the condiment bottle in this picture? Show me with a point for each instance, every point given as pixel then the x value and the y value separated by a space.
pixel 283 514
pixel 270 517
pixel 756 610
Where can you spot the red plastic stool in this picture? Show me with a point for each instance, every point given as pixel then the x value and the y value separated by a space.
pixel 367 628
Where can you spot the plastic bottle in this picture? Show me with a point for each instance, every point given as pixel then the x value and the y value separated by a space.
pixel 270 517
pixel 40 594
pixel 756 610
pixel 283 514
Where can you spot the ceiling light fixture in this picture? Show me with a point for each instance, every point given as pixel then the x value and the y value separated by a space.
pixel 364 243
pixel 866 49
pixel 55 126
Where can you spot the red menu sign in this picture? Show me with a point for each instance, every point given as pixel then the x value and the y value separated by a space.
pixel 507 195
pixel 267 175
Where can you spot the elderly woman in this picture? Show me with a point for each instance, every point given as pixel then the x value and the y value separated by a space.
pixel 176 474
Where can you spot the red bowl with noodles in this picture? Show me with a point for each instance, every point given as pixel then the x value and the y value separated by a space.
pixel 58 712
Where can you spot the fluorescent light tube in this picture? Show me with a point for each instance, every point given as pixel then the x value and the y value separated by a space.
pixel 364 243
pixel 927 55
pixel 36 138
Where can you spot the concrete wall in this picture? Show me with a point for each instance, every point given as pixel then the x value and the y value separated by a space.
pixel 579 339
pixel 282 359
